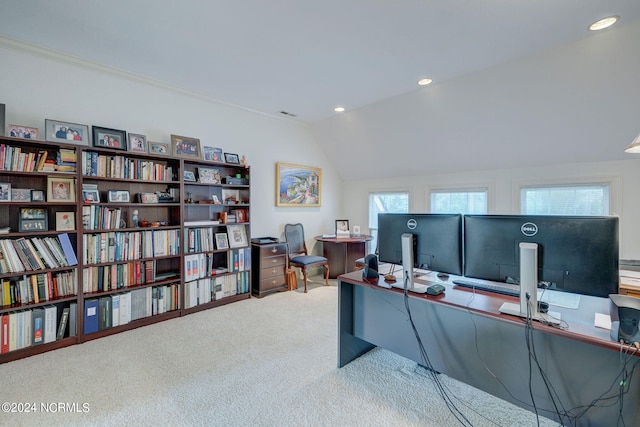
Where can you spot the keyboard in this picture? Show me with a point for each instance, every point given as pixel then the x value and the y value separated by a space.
pixel 497 288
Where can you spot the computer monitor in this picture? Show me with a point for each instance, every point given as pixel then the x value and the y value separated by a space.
pixel 437 240
pixel 574 254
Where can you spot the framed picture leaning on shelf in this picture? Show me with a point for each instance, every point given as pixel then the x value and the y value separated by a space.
pixel 61 189
pixel 37 196
pixel 5 191
pixel 185 147
pixel 69 133
pixel 20 194
pixel 33 219
pixel 137 143
pixel 159 148
pixel 213 154
pixel 65 221
pixel 231 158
pixel 109 138
pixel 24 132
pixel 237 236
pixel 121 196
pixel 91 195
pixel 222 241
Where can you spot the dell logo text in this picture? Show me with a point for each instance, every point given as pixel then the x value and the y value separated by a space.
pixel 412 224
pixel 529 229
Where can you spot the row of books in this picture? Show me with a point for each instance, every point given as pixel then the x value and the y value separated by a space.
pixel 38 287
pixel 202 265
pixel 116 276
pixel 122 308
pixel 96 217
pixel 117 246
pixel 199 240
pixel 32 160
pixel 42 325
pixel 237 215
pixel 36 253
pixel 109 166
pixel 209 289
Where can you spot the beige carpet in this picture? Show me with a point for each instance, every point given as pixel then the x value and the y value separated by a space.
pixel 259 362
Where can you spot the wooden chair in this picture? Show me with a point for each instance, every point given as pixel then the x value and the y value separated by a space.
pixel 297 253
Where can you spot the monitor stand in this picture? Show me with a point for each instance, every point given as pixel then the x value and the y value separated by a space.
pixel 528 307
pixel 407 267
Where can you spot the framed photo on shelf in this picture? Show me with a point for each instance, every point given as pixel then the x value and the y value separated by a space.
pixel 159 148
pixel 20 194
pixel 109 138
pixel 222 242
pixel 237 236
pixel 24 132
pixel 33 219
pixel 342 225
pixel 189 176
pixel 65 221
pixel 37 196
pixel 185 147
pixel 298 186
pixel 137 143
pixel 231 158
pixel 5 191
pixel 90 195
pixel 230 197
pixel 148 198
pixel 68 133
pixel 61 189
pixel 121 196
pixel 213 154
pixel 209 175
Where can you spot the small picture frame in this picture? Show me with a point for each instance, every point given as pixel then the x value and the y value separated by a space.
pixel 159 148
pixel 213 154
pixel 33 219
pixel 356 230
pixel 189 176
pixel 209 175
pixel 342 226
pixel 230 196
pixel 231 158
pixel 222 241
pixel 90 195
pixel 118 196
pixel 137 143
pixel 37 196
pixel 237 236
pixel 65 132
pixel 185 147
pixel 5 191
pixel 148 198
pixel 65 221
pixel 20 194
pixel 24 132
pixel 109 138
pixel 61 189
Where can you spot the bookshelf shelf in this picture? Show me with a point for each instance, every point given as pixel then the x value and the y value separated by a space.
pixel 148 272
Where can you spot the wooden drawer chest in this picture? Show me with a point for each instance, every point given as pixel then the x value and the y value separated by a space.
pixel 268 267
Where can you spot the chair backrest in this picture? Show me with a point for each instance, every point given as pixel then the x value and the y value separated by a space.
pixel 294 235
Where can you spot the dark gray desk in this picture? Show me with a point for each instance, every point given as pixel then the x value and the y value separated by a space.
pixel 466 337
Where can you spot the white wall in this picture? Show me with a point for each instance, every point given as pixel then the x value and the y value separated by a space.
pixel 36 84
pixel 504 185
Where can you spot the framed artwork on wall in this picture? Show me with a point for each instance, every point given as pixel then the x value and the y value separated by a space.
pixel 298 186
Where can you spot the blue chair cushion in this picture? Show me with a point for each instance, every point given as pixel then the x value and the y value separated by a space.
pixel 308 259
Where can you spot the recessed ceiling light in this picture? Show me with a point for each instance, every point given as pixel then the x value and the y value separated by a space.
pixel 338 109
pixel 424 82
pixel 604 23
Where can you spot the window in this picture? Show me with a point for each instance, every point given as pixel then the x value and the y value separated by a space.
pixel 384 203
pixel 587 199
pixel 459 201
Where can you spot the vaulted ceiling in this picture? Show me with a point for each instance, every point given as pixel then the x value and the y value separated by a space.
pixel 305 58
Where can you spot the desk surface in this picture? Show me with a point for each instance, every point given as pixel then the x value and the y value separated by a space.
pixel 351 239
pixel 579 323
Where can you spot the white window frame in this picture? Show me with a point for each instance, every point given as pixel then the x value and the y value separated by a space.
pixel 486 187
pixel 614 183
pixel 374 231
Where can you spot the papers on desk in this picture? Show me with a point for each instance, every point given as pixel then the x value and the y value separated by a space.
pixel 559 299
pixel 602 321
pixel 328 236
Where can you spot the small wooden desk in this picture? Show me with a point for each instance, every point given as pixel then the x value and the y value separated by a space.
pixel 467 338
pixel 343 252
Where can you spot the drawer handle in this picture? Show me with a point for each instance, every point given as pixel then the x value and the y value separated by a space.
pixel 274 271
pixel 274 261
pixel 274 250
pixel 273 282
